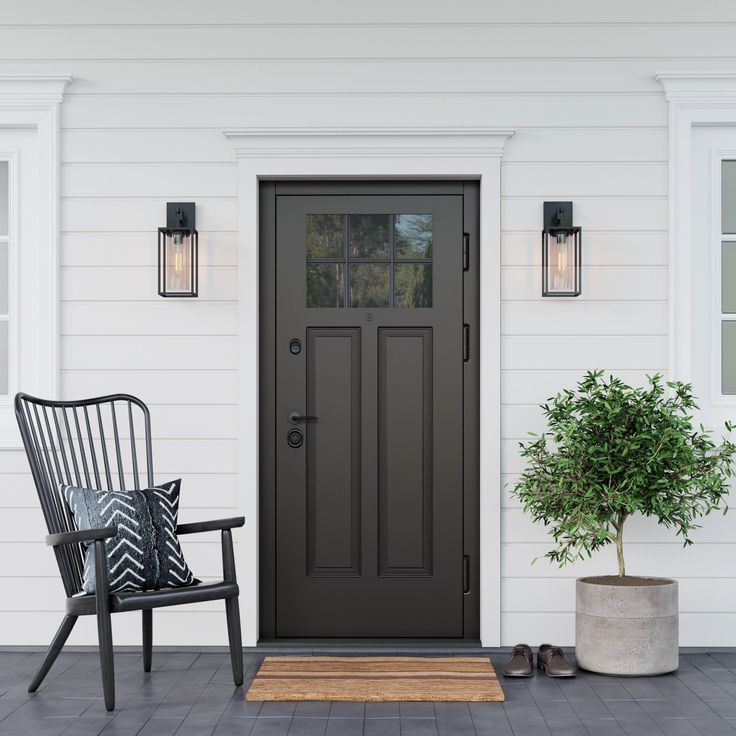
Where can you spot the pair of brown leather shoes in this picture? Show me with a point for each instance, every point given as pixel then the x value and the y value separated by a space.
pixel 551 659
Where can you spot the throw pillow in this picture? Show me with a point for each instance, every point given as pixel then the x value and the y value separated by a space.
pixel 145 554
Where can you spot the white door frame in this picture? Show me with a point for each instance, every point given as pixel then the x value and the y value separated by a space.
pixel 375 153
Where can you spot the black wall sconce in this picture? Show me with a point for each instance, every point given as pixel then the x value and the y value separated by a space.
pixel 561 251
pixel 178 252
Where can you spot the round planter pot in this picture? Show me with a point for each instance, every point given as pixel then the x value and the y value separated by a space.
pixel 626 629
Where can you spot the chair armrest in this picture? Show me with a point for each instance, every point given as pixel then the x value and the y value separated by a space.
pixel 211 525
pixel 88 535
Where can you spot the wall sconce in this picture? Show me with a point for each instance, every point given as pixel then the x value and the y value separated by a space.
pixel 561 251
pixel 178 255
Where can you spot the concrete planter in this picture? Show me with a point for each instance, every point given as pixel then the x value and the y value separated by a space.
pixel 629 629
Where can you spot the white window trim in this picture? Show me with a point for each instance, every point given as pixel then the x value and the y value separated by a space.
pixel 374 153
pixel 32 101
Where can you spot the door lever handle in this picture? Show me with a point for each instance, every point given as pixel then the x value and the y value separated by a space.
pixel 295 417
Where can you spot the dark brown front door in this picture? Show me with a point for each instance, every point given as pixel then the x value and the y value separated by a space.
pixel 369 432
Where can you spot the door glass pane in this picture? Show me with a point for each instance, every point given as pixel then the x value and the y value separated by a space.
pixel 369 284
pixel 728 197
pixel 368 236
pixel 4 358
pixel 412 236
pixel 325 285
pixel 4 194
pixel 413 285
pixel 325 236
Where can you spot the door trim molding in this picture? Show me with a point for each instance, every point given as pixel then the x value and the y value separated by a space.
pixel 375 153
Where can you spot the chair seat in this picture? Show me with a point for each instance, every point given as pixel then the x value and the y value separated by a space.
pixel 142 599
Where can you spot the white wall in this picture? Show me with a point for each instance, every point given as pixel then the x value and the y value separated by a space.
pixel 156 83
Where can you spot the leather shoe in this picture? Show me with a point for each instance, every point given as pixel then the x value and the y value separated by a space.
pixel 552 660
pixel 521 662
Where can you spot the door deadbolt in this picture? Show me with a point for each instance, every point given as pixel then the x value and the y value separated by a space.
pixel 295 438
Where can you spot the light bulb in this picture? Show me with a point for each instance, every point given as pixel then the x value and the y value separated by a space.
pixel 178 255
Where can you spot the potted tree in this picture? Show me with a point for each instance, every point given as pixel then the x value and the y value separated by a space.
pixel 612 451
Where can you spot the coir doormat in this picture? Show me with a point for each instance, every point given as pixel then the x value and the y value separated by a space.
pixel 376 679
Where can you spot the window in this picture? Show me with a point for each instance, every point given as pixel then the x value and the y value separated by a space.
pixel 727 301
pixel 369 260
pixel 5 249
pixel 29 242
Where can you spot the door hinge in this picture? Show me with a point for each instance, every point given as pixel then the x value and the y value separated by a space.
pixel 466 343
pixel 466 574
pixel 466 251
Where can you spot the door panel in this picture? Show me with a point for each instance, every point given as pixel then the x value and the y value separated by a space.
pixel 333 451
pixel 369 502
pixel 405 451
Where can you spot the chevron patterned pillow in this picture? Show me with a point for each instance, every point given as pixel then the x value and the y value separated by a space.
pixel 145 554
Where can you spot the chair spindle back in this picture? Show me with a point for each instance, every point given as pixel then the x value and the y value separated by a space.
pixel 102 443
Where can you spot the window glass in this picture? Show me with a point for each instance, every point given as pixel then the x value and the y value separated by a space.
pixel 387 263
pixel 4 196
pixel 728 197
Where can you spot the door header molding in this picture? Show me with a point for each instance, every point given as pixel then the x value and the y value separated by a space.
pixel 388 142
pixel 376 153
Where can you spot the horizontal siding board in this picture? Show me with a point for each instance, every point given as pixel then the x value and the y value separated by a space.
pixel 591 213
pixel 608 283
pixel 172 626
pixel 291 41
pixel 571 317
pixel 138 215
pixel 228 111
pixel 149 318
pixel 208 493
pixel 609 352
pixel 600 248
pixel 536 386
pixel 702 560
pixel 568 180
pixel 121 284
pixel 573 14
pixel 531 144
pixel 27 524
pixel 487 73
pixel 204 557
pixel 558 595
pixel 168 181
pixel 126 250
pixel 154 386
pixel 696 629
pixel 518 528
pixel 176 352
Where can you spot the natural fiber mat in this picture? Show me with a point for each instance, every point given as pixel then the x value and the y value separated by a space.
pixel 376 679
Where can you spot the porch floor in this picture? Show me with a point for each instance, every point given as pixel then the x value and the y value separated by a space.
pixel 191 694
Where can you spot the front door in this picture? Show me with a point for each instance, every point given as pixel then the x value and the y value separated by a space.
pixel 370 347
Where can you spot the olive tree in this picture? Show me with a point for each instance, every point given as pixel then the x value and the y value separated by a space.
pixel 610 451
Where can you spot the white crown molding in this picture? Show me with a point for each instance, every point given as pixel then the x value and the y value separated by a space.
pixel 716 88
pixel 300 142
pixel 33 89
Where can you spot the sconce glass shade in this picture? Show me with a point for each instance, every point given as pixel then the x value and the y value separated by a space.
pixel 177 264
pixel 562 262
pixel 178 252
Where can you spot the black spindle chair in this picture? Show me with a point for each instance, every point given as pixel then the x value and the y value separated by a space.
pixel 105 443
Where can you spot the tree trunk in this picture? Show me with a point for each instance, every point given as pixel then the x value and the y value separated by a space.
pixel 620 545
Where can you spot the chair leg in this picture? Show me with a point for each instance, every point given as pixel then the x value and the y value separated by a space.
pixel 147 639
pixel 232 611
pixel 67 624
pixel 104 626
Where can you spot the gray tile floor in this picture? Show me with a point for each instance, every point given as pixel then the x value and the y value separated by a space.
pixel 191 694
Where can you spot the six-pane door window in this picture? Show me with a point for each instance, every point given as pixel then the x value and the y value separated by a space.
pixel 369 260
